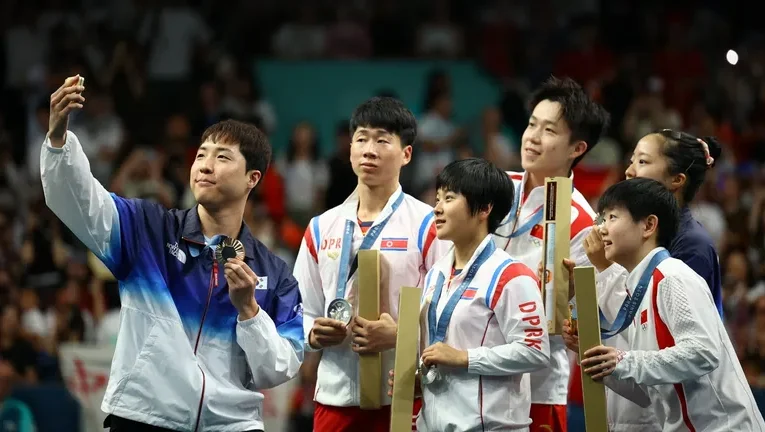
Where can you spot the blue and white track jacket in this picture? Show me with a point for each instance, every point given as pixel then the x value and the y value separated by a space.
pixel 183 361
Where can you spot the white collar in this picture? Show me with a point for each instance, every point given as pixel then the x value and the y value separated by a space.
pixel 349 208
pixel 637 272
pixel 525 178
pixel 445 264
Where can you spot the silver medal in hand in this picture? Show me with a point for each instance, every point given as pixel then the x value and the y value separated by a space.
pixel 428 374
pixel 341 310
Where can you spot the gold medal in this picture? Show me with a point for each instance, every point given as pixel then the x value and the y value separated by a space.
pixel 227 249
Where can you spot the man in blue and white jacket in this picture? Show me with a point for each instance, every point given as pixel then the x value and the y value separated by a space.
pixel 197 339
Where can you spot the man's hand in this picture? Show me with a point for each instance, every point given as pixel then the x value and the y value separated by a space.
pixel 417 387
pixel 569 265
pixel 570 338
pixel 600 361
pixel 442 354
pixel 374 336
pixel 327 332
pixel 593 246
pixel 241 288
pixel 63 101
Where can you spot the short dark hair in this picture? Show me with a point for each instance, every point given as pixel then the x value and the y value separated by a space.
pixel 587 120
pixel 686 155
pixel 253 143
pixel 386 113
pixel 482 184
pixel 642 197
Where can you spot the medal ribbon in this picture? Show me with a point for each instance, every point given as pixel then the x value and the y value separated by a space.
pixel 437 327
pixel 531 221
pixel 348 268
pixel 630 306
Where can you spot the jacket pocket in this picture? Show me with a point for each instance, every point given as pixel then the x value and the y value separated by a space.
pixel 164 381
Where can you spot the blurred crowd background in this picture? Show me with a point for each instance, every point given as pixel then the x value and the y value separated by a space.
pixel 159 72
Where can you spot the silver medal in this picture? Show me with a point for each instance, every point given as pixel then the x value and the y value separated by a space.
pixel 341 310
pixel 600 220
pixel 428 375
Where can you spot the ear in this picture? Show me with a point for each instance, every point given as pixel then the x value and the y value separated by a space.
pixel 577 149
pixel 407 155
pixel 484 213
pixel 651 226
pixel 254 177
pixel 677 182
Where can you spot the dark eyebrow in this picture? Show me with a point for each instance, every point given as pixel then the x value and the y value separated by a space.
pixel 218 148
pixel 544 121
pixel 378 131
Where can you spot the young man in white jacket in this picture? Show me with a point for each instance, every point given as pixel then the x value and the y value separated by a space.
pixel 378 215
pixel 564 125
pixel 680 360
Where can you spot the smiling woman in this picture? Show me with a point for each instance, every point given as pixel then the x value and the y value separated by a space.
pixel 481 311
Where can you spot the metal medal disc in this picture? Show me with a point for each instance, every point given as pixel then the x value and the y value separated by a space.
pixel 229 248
pixel 599 220
pixel 428 375
pixel 341 310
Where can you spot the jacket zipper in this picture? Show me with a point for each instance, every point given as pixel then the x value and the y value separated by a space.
pixel 212 286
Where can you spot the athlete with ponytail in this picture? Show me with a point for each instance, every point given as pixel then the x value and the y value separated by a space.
pixel 680 162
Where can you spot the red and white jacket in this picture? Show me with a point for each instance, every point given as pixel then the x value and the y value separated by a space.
pixel 550 385
pixel 499 321
pixel 680 360
pixel 409 249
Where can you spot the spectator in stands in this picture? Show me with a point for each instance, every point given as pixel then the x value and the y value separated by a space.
pixel 15 415
pixel 14 348
pixel 439 35
pixel 141 176
pixel 348 37
pixel 648 113
pixel 342 179
pixel 439 137
pixel 494 144
pixel 304 173
pixel 303 38
pixel 42 250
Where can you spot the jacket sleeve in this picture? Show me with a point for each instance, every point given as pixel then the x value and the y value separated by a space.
pixel 517 305
pixel 113 228
pixel 307 274
pixel 578 255
pixel 688 332
pixel 272 340
pixel 628 389
pixel 611 284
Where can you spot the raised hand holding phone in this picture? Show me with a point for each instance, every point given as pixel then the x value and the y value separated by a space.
pixel 63 101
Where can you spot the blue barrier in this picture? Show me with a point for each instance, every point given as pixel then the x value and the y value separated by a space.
pixel 326 92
